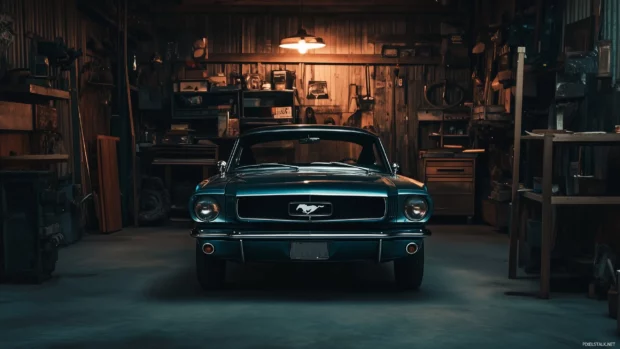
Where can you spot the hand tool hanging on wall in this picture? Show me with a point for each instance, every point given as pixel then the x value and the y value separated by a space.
pixel 488 81
pixel 355 119
pixel 367 102
pixel 352 98
pixel 452 94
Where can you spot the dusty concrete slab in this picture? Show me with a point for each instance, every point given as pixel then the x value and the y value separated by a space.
pixel 136 289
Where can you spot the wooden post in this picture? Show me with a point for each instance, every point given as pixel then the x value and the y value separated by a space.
pixel 547 219
pixel 618 303
pixel 514 224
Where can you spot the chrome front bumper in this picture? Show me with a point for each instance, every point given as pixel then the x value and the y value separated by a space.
pixel 274 246
pixel 322 235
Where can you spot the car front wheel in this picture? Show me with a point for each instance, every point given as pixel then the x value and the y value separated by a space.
pixel 408 271
pixel 211 272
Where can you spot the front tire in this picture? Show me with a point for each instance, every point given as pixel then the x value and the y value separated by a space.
pixel 409 271
pixel 210 272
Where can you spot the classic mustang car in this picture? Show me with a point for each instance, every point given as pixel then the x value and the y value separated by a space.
pixel 309 193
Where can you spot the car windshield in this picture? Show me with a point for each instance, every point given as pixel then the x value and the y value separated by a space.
pixel 291 150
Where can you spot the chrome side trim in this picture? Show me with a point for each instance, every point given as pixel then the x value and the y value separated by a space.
pixel 210 235
pixel 380 250
pixel 241 248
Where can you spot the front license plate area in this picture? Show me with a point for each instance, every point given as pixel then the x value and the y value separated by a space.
pixel 309 251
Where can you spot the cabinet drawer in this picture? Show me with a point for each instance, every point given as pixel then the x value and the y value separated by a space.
pixel 450 187
pixel 448 163
pixel 450 171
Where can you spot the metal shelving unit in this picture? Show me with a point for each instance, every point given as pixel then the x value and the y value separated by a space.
pixel 546 198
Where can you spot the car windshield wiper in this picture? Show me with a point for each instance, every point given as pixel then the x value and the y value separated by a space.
pixel 268 164
pixel 338 163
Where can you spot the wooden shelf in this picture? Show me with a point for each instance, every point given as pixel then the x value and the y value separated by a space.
pixel 579 138
pixel 23 90
pixel 450 136
pixel 26 160
pixel 575 200
pixel 330 59
pixel 197 162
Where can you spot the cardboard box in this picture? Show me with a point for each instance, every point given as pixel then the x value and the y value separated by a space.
pixel 282 112
pixel 233 128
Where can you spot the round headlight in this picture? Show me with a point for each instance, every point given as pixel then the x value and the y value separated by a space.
pixel 416 208
pixel 206 209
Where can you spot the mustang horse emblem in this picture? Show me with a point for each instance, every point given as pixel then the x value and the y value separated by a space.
pixel 308 209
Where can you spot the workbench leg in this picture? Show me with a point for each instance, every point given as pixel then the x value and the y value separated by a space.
pixel 547 219
pixel 514 237
pixel 516 163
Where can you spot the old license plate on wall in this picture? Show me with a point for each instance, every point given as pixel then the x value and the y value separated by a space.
pixel 309 251
pixel 282 112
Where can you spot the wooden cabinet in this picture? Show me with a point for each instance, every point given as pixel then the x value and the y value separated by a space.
pixel 451 183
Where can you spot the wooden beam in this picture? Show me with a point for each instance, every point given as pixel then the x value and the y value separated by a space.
pixel 296 4
pixel 327 59
pixel 292 7
pixel 34 91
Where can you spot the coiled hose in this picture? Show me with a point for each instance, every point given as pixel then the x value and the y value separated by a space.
pixel 449 90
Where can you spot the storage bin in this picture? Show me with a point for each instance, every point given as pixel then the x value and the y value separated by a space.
pixel 251 102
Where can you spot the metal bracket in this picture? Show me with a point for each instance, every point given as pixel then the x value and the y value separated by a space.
pixel 242 252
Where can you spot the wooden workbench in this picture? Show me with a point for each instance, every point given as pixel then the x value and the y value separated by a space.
pixel 205 156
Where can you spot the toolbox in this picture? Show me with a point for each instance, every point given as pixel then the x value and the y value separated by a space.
pixel 30 232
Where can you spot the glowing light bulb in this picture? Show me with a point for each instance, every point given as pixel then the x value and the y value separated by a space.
pixel 301 46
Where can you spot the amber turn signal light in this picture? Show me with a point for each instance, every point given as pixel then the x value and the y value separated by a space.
pixel 411 248
pixel 208 248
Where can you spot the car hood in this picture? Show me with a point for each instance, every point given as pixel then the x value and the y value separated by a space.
pixel 313 183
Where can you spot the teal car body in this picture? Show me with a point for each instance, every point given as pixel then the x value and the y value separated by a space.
pixel 260 210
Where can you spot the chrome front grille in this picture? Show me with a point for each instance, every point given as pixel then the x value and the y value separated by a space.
pixel 343 208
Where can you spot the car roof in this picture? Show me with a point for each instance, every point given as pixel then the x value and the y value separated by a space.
pixel 307 127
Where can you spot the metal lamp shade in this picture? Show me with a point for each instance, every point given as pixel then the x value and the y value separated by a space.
pixel 310 42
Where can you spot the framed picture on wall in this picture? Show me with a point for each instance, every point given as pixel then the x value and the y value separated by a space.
pixel 317 90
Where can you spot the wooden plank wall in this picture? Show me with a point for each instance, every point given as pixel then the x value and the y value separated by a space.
pixel 343 34
pixel 51 19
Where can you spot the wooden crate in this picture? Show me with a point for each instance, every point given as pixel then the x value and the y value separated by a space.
pixel 15 116
pixel 495 213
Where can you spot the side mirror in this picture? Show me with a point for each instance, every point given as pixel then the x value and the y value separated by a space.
pixel 221 166
pixel 395 168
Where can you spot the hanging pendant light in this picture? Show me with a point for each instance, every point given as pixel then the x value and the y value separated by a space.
pixel 302 41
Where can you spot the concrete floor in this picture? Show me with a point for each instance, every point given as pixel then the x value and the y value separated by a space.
pixel 136 289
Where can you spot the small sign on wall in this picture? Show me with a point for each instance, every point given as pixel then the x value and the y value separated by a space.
pixel 282 112
pixel 317 90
